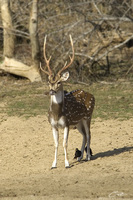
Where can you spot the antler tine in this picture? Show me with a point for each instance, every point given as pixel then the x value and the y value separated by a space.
pixel 46 60
pixel 71 58
pixel 43 69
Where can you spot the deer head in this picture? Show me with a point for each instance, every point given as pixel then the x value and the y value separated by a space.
pixel 55 81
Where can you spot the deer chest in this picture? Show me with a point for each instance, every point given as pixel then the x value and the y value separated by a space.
pixel 57 121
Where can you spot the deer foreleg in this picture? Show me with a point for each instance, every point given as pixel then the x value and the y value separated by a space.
pixel 65 142
pixel 56 138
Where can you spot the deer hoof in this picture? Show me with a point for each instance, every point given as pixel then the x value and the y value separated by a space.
pixel 67 164
pixel 79 158
pixel 53 167
pixel 88 158
pixel 67 167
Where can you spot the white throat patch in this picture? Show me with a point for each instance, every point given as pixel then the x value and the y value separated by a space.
pixel 57 98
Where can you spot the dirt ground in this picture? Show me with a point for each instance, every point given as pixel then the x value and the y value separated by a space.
pixel 27 151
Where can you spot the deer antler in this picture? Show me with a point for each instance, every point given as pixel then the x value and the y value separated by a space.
pixel 49 72
pixel 71 58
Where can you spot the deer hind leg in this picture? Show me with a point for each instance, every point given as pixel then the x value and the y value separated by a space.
pixel 88 136
pixel 56 138
pixel 82 130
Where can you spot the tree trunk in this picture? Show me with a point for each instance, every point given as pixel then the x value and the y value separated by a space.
pixel 9 64
pixel 33 28
pixel 8 29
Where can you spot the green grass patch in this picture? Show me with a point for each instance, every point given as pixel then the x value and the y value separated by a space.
pixel 113 101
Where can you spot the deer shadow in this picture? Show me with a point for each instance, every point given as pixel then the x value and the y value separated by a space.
pixel 111 152
pixel 108 153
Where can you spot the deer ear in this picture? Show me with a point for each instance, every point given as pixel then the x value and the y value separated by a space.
pixel 65 76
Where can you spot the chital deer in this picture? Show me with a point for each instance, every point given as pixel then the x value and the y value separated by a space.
pixel 68 109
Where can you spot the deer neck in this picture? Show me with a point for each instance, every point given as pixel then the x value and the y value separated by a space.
pixel 57 103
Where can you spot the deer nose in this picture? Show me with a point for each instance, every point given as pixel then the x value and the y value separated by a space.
pixel 52 92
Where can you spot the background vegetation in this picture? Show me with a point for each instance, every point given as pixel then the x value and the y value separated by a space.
pixel 101 30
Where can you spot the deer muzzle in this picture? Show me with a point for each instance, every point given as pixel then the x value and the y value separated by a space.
pixel 52 92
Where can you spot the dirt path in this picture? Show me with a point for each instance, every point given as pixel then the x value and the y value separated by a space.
pixel 26 155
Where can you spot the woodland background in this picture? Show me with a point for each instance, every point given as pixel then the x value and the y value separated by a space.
pixel 102 32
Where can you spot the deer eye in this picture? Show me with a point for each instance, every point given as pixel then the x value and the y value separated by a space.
pixel 59 83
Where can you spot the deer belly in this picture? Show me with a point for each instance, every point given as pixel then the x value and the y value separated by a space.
pixel 74 118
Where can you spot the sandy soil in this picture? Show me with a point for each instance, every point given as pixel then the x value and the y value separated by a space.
pixel 27 151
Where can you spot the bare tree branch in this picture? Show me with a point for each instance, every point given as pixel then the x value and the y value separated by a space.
pixel 113 48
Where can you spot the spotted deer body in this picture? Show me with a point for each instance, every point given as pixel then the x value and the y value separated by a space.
pixel 78 105
pixel 68 109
